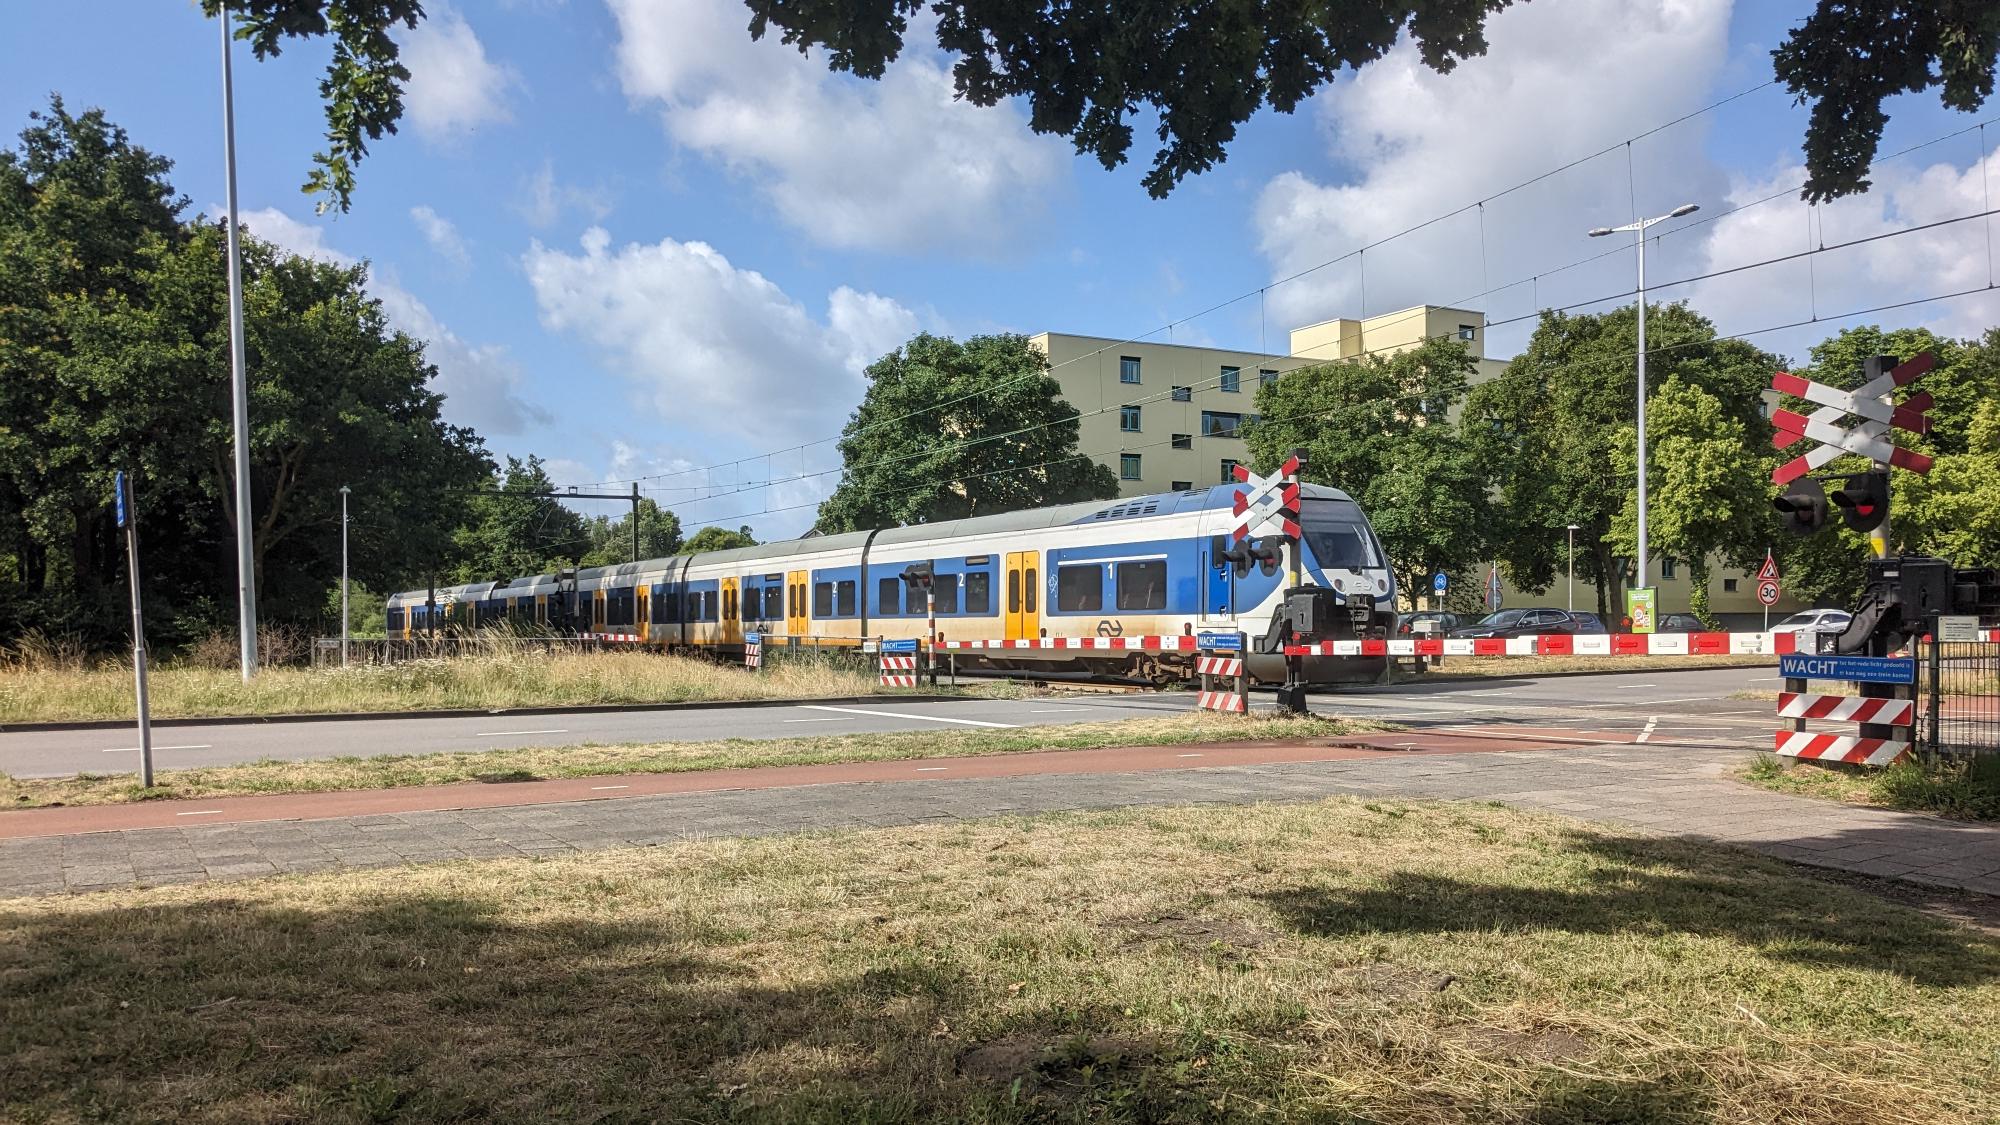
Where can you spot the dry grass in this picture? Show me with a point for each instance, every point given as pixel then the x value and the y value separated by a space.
pixel 1960 788
pixel 1337 961
pixel 72 691
pixel 533 763
pixel 1543 665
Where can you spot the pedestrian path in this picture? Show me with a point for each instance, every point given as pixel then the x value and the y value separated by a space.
pixel 1653 788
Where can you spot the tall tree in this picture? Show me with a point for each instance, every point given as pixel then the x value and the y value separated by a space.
pixel 1380 428
pixel 949 429
pixel 720 539
pixel 1550 425
pixel 1708 487
pixel 611 539
pixel 513 529
pixel 1201 70
pixel 1954 512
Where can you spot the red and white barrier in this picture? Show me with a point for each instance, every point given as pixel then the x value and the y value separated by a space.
pixel 1137 643
pixel 1847 708
pixel 1817 747
pixel 1224 679
pixel 1564 644
pixel 753 654
pixel 899 670
pixel 1231 666
pixel 1231 701
pixel 613 638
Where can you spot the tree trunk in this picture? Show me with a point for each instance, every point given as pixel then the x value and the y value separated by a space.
pixel 1698 593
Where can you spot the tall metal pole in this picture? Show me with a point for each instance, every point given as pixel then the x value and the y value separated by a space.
pixel 1570 573
pixel 1642 407
pixel 239 389
pixel 128 518
pixel 343 576
pixel 635 521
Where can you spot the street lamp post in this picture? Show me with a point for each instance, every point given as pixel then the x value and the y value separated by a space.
pixel 1638 230
pixel 1571 572
pixel 343 576
pixel 239 389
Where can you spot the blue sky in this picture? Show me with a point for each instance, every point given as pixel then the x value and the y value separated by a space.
pixel 640 244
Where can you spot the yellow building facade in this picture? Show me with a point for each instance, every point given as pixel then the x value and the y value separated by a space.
pixel 1163 417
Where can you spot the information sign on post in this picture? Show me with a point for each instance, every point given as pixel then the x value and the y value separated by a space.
pixel 1640 606
pixel 1767 587
pixel 128 521
pixel 1438 583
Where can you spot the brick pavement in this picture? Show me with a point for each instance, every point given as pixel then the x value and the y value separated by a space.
pixel 1655 789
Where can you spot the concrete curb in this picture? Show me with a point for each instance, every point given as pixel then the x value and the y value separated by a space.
pixel 469 712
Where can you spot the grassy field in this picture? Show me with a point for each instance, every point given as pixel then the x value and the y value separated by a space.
pixel 1340 961
pixel 392 771
pixel 67 692
pixel 1965 789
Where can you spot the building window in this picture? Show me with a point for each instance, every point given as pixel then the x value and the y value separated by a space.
pixel 1183 486
pixel 1128 368
pixel 1142 585
pixel 1729 585
pixel 1080 589
pixel 1183 394
pixel 1468 332
pixel 1128 466
pixel 1217 423
pixel 1128 419
pixel 1666 567
pixel 1183 441
pixel 1231 382
pixel 1228 469
pixel 1266 376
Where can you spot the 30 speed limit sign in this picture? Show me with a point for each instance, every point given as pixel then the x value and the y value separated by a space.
pixel 1767 592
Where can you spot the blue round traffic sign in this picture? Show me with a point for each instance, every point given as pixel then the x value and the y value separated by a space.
pixel 1438 583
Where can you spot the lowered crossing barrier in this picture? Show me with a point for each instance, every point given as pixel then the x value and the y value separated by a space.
pixel 1567 644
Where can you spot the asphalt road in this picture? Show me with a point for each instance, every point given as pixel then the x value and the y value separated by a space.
pixel 1661 706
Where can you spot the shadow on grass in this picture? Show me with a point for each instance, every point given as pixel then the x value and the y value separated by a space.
pixel 1664 887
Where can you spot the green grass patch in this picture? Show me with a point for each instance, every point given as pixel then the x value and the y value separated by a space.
pixel 536 763
pixel 1392 962
pixel 1966 788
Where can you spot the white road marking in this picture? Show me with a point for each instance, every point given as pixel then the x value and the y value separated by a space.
pixel 509 733
pixel 1187 755
pixel 600 788
pixel 933 769
pixel 135 749
pixel 203 812
pixel 1651 722
pixel 907 715
pixel 835 720
pixel 1682 699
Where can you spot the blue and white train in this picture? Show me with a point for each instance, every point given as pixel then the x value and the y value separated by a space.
pixel 1141 566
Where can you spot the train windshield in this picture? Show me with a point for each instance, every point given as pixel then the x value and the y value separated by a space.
pixel 1338 536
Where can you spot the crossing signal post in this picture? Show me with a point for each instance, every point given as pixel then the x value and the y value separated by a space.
pixel 920 575
pixel 1803 504
pixel 1864 500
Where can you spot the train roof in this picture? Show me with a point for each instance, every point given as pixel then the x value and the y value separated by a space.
pixel 766 554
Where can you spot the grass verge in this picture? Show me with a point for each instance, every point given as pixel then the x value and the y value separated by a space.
pixel 1336 961
pixel 496 681
pixel 1961 788
pixel 535 763
pixel 1490 666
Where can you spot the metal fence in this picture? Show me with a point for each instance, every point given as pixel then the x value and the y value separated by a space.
pixel 1958 692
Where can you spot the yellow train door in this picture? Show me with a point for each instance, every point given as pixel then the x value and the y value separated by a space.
pixel 1023 595
pixel 797 584
pixel 732 616
pixel 640 617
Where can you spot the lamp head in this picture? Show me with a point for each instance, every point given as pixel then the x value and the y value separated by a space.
pixel 1600 232
pixel 1683 209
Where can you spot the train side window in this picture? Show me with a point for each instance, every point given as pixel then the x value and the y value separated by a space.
pixel 889 597
pixel 822 599
pixel 945 588
pixel 1032 585
pixel 1142 585
pixel 1013 591
pixel 978 592
pixel 774 603
pixel 1080 589
pixel 843 598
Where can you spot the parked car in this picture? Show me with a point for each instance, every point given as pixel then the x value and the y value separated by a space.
pixel 1814 621
pixel 1433 622
pixel 1680 623
pixel 1530 622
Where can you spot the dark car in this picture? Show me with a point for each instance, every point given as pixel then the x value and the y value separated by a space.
pixel 1530 622
pixel 1427 622
pixel 1680 623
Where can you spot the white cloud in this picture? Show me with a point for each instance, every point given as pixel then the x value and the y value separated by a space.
pixel 442 235
pixel 453 87
pixel 481 382
pixel 1562 78
pixel 1944 259
pixel 714 347
pixel 547 199
pixel 898 164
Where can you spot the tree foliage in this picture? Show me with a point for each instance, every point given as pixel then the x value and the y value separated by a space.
pixel 513 528
pixel 1954 513
pixel 1708 487
pixel 720 539
pixel 948 430
pixel 114 355
pixel 611 539
pixel 363 87
pixel 1550 429
pixel 1202 70
pixel 1380 429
